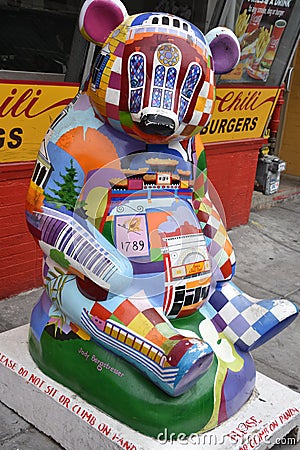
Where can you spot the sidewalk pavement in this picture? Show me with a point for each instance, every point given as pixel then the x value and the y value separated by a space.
pixel 268 265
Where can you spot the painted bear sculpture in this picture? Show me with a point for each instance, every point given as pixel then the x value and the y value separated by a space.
pixel 139 314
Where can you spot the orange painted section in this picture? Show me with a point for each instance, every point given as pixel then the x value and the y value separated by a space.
pixel 99 150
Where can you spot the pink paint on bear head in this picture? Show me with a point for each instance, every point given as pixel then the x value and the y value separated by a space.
pixel 101 18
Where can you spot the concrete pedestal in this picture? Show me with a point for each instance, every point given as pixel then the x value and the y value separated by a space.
pixel 272 412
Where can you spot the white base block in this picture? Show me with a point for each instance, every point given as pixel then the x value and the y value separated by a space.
pixel 271 413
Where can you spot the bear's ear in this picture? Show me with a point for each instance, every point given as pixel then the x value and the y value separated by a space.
pixel 98 18
pixel 225 49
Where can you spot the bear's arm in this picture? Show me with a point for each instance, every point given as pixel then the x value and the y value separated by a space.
pixel 57 220
pixel 210 220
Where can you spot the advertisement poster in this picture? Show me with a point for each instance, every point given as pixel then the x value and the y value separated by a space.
pixel 259 27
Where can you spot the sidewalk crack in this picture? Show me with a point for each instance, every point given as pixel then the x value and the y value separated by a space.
pixel 256 228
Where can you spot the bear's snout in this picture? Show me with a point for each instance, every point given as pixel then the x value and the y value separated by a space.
pixel 157 124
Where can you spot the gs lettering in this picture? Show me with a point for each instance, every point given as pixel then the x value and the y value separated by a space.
pixel 12 139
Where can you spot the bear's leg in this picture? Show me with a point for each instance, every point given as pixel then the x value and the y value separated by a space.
pixel 246 321
pixel 132 328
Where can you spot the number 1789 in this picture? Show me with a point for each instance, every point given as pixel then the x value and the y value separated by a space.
pixel 136 246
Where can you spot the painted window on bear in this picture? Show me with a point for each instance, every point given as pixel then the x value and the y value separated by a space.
pixel 189 85
pixel 165 76
pixel 168 97
pixel 171 78
pixel 159 76
pixel 137 81
pixel 156 97
pixel 100 63
pixel 163 87
pixel 169 21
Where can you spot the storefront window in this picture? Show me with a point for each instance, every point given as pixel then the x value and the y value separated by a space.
pixel 36 35
pixel 194 11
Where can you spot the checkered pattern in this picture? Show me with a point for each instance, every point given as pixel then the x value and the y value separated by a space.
pixel 112 96
pixel 246 321
pixel 219 244
pixel 117 66
pixel 208 107
pixel 140 317
pixel 111 77
pixel 204 105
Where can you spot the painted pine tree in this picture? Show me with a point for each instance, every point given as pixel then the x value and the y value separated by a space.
pixel 68 191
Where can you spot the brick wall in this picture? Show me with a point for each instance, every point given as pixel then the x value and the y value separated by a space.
pixel 231 169
pixel 20 257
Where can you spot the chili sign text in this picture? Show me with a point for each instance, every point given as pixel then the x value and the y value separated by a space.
pixel 26 111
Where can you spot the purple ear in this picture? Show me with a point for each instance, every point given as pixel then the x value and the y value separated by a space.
pixel 225 49
pixel 98 18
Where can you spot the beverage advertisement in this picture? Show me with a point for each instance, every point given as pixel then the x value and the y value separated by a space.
pixel 260 26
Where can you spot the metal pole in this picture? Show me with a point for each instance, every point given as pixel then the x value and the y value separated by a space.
pixel 77 58
pixel 231 15
pixel 88 63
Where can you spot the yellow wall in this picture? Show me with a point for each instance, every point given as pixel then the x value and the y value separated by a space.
pixel 290 144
